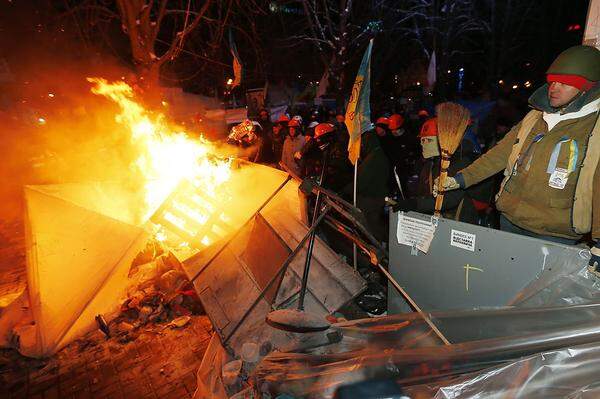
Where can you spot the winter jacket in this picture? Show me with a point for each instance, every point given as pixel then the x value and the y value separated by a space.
pixel 531 155
pixel 372 184
pixel 291 145
pixel 466 205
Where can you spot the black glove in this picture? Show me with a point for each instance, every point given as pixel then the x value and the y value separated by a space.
pixel 405 205
pixel 594 264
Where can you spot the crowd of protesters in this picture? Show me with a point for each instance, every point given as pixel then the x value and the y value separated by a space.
pixel 399 158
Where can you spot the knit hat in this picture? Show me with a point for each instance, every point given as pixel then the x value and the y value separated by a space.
pixel 579 82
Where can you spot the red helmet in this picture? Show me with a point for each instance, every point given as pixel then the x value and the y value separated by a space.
pixel 429 128
pixel 294 123
pixel 396 121
pixel 284 119
pixel 382 120
pixel 423 113
pixel 322 129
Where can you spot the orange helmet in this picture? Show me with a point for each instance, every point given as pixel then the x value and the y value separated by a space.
pixel 423 113
pixel 429 128
pixel 382 120
pixel 283 119
pixel 396 121
pixel 322 129
pixel 294 123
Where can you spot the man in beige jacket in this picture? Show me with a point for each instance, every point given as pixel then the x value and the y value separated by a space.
pixel 551 187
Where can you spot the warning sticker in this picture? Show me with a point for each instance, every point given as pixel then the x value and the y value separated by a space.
pixel 462 239
pixel 415 232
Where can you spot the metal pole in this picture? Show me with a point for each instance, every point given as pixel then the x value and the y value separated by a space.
pixel 399 183
pixel 311 241
pixel 354 251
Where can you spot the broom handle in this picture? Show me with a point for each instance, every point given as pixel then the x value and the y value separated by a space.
pixel 439 200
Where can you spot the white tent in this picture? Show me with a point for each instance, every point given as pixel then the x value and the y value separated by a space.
pixel 80 239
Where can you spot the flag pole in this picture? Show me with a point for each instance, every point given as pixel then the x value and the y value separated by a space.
pixel 358 120
pixel 354 249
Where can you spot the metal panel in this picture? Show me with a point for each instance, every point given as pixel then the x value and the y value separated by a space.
pixel 449 277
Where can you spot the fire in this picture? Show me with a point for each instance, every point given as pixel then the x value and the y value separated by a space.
pixel 167 157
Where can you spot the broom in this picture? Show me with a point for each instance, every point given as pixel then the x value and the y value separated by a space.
pixel 452 121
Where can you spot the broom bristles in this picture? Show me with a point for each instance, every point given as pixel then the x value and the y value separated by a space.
pixel 452 121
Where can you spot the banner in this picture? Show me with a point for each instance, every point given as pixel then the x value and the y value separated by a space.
pixel 358 113
pixel 237 63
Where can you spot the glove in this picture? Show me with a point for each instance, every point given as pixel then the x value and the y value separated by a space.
pixel 405 205
pixel 594 264
pixel 449 184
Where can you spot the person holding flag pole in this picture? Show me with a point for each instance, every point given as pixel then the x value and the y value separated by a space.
pixel 371 166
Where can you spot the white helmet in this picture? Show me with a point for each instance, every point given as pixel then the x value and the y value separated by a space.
pixel 298 118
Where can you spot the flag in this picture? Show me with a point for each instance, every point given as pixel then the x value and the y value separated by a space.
pixel 237 63
pixel 358 112
pixel 431 73
pixel 323 83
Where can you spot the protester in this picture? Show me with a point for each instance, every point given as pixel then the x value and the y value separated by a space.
pixel 402 151
pixel 372 184
pixel 278 134
pixel 293 144
pixel 550 160
pixel 247 135
pixel 469 205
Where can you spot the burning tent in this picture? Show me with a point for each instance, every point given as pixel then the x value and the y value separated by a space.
pixel 80 244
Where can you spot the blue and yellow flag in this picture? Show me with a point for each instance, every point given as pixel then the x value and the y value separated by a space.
pixel 358 112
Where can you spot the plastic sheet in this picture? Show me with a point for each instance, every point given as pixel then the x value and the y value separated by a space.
pixel 403 348
pixel 564 373
pixel 565 283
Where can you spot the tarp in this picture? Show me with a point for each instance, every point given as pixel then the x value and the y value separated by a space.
pixel 80 240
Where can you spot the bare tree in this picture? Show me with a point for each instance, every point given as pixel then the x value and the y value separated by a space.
pixel 339 29
pixel 141 21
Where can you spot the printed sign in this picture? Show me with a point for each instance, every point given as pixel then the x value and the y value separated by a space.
pixel 415 232
pixel 462 239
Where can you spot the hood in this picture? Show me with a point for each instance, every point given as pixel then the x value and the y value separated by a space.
pixel 539 100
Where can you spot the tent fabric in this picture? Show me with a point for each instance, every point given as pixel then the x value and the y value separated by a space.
pixel 78 257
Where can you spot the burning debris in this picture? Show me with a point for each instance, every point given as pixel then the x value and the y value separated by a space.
pixel 160 294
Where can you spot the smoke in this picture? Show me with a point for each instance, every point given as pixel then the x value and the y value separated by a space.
pixel 55 131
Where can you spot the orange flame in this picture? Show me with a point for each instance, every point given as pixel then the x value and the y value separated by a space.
pixel 167 157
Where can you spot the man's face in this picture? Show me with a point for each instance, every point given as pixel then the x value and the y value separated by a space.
pixel 264 116
pixel 340 118
pixel 292 131
pixel 380 131
pixel 560 94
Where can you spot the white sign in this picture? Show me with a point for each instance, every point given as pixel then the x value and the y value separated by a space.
pixel 415 232
pixel 462 239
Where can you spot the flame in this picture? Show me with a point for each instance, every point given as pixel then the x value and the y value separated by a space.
pixel 166 156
